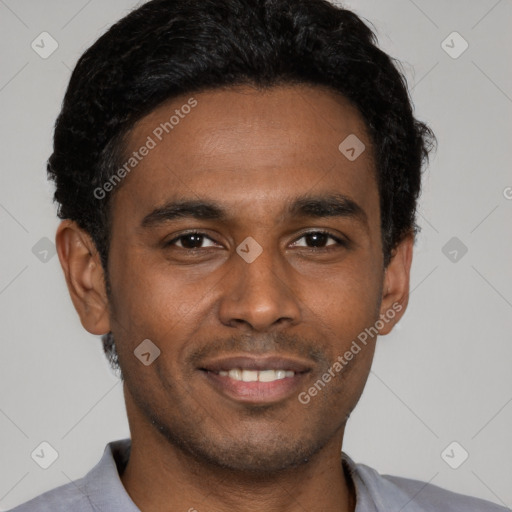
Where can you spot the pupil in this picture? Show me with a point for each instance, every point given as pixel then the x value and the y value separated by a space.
pixel 318 239
pixel 190 241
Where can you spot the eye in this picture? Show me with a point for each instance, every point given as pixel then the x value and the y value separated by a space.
pixel 192 240
pixel 318 240
pixel 312 240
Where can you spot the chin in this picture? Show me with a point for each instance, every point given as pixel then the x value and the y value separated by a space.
pixel 254 455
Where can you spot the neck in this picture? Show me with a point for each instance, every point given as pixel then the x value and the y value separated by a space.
pixel 160 476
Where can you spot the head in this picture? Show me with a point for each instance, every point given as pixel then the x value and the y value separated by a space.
pixel 281 136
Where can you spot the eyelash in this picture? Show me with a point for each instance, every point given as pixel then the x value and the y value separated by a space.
pixel 339 242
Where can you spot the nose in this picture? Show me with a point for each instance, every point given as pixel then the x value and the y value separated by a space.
pixel 259 294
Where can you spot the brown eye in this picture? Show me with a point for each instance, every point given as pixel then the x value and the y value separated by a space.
pixel 193 240
pixel 318 240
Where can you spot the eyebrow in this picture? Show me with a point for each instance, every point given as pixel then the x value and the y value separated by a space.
pixel 312 206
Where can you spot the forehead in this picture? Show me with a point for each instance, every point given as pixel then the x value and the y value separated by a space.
pixel 249 147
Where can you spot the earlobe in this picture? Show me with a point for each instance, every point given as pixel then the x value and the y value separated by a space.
pixel 84 275
pixel 395 291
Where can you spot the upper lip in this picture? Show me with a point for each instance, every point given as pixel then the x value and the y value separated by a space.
pixel 256 363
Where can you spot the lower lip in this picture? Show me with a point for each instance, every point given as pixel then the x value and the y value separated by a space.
pixel 256 392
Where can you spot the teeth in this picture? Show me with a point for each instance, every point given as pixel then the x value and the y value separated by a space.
pixel 267 376
pixel 235 374
pixel 249 375
pixel 255 375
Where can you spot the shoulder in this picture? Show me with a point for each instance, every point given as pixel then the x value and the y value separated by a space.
pixel 69 497
pixel 100 489
pixel 417 496
pixel 433 498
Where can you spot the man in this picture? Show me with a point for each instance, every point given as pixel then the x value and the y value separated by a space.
pixel 238 181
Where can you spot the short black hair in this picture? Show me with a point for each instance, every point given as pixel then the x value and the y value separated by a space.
pixel 167 48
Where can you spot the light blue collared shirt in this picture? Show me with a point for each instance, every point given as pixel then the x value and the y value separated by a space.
pixel 101 490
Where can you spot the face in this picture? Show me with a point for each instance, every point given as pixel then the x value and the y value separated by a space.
pixel 246 246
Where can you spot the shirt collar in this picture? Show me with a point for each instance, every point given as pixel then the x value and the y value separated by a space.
pixel 103 485
pixel 375 492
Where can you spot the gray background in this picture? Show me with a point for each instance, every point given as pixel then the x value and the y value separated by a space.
pixel 443 375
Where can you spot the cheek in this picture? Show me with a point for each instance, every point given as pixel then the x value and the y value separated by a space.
pixel 346 301
pixel 154 301
pixel 138 303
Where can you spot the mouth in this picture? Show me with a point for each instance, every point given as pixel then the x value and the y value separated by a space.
pixel 256 379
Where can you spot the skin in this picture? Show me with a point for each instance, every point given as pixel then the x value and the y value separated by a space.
pixel 253 152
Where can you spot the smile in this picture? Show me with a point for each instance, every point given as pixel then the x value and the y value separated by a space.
pixel 256 375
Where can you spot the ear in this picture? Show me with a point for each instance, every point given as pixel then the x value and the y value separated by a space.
pixel 395 291
pixel 84 275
